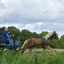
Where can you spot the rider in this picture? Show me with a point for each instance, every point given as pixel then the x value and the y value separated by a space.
pixel 6 35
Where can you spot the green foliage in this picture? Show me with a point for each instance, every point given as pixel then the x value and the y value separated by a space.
pixel 15 31
pixel 61 42
pixel 44 33
pixel 26 34
pixel 1 30
pixel 28 58
pixel 53 43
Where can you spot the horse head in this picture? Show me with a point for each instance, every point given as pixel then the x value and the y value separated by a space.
pixel 55 35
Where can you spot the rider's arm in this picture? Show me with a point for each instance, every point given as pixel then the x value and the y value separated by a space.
pixel 9 35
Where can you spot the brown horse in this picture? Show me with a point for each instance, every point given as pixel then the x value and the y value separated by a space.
pixel 40 42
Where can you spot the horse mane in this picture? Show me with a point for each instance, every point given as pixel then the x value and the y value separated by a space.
pixel 48 35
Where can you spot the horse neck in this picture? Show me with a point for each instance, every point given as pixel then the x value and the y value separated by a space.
pixel 50 38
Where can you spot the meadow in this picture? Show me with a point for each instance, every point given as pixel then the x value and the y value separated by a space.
pixel 28 58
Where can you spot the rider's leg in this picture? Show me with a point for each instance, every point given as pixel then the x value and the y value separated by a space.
pixel 10 41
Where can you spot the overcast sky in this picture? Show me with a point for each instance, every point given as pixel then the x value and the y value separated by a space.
pixel 33 15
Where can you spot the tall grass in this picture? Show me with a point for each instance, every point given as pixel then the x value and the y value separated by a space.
pixel 28 58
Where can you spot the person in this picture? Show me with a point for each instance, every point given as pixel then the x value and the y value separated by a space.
pixel 6 36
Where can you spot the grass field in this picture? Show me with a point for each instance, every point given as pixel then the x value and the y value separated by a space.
pixel 28 58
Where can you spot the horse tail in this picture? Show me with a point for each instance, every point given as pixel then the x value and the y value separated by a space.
pixel 24 44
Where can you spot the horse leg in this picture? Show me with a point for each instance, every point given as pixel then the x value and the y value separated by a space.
pixel 35 56
pixel 23 51
pixel 42 52
pixel 31 51
pixel 51 50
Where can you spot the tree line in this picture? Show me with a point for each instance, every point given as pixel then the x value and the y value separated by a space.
pixel 25 34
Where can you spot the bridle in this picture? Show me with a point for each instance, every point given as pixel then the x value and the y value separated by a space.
pixel 56 35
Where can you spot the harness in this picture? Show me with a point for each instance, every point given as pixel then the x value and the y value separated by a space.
pixel 42 43
pixel 29 41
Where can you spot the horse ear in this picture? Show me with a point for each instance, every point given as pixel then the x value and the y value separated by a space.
pixel 54 31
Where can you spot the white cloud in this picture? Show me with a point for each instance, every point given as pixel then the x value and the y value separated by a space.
pixel 34 15
pixel 32 9
pixel 39 27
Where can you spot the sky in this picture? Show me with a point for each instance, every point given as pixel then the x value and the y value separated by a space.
pixel 33 15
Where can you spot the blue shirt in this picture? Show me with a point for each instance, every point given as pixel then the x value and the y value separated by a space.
pixel 5 35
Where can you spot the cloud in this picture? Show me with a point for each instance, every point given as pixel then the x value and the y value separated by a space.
pixel 34 15
pixel 31 10
pixel 40 26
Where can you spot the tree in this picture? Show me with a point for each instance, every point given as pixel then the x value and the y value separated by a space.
pixel 1 30
pixel 53 43
pixel 15 31
pixel 25 34
pixel 61 42
pixel 44 33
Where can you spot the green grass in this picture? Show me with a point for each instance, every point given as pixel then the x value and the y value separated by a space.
pixel 28 58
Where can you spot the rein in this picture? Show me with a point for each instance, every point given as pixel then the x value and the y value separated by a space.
pixel 31 46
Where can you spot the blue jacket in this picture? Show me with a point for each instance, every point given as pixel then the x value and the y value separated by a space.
pixel 4 35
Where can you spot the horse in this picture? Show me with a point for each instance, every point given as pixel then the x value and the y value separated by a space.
pixel 43 42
